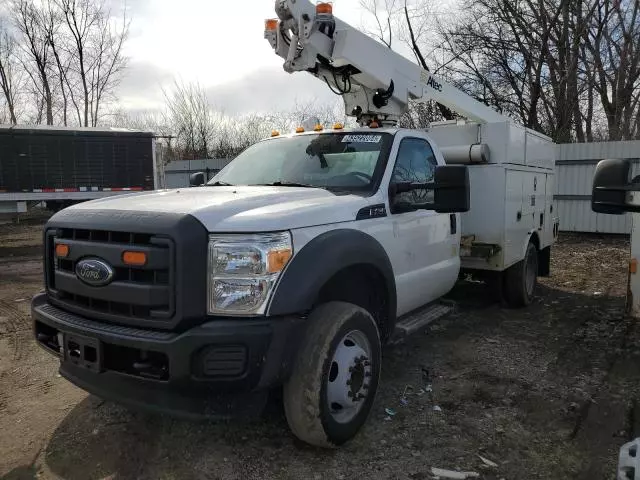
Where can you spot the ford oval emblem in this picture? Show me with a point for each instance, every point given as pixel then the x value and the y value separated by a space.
pixel 94 272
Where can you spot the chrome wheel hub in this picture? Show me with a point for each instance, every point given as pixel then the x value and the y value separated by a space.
pixel 349 377
pixel 531 273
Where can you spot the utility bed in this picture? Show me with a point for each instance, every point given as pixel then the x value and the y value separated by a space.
pixel 511 172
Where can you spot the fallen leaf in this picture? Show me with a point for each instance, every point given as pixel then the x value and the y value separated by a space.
pixel 488 462
pixel 442 473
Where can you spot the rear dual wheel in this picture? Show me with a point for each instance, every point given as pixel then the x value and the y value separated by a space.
pixel 522 278
pixel 335 376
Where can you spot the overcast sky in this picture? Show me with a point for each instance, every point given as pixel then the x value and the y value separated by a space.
pixel 219 44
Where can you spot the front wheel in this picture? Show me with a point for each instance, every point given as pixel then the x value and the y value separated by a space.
pixel 335 376
pixel 521 279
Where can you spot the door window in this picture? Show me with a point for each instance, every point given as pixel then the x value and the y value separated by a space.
pixel 415 163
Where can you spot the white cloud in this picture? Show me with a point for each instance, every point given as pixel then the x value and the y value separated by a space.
pixel 220 45
pixel 268 89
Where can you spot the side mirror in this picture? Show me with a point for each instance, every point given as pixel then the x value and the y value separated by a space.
pixel 611 186
pixel 196 179
pixel 451 188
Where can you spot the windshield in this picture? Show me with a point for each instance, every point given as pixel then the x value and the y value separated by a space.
pixel 335 161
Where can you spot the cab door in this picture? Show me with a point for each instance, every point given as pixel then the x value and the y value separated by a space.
pixel 424 255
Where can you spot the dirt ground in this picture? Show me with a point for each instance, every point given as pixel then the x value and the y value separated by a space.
pixel 547 392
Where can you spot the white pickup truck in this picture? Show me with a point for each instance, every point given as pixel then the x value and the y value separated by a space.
pixel 296 263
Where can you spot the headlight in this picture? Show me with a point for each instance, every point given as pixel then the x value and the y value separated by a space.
pixel 243 269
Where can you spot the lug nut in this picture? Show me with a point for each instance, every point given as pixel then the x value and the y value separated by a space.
pixel 348 382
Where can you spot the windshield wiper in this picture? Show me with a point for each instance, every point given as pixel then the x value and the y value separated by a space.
pixel 220 184
pixel 289 184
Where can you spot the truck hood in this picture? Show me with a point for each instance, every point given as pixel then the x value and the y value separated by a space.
pixel 242 208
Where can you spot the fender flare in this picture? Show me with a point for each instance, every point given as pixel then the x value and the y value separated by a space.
pixel 321 259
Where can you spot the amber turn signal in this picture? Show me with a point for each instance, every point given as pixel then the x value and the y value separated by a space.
pixel 136 259
pixel 277 259
pixel 62 250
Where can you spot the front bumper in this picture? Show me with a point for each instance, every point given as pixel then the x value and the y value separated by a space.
pixel 222 368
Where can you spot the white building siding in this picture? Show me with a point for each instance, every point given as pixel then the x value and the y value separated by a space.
pixel 575 166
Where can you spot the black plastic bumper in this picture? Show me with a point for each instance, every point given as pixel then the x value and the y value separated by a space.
pixel 221 368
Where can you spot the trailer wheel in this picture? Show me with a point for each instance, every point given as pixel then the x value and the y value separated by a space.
pixel 335 376
pixel 521 279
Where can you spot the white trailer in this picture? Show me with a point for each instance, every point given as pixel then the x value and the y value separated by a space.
pixel 62 166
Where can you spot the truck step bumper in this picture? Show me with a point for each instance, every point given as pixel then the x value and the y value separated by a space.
pixel 220 369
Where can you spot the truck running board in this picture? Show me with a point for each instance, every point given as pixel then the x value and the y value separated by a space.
pixel 419 319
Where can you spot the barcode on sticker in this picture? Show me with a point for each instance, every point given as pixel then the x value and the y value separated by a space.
pixel 361 139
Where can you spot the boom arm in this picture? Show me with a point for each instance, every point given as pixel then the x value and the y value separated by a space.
pixel 375 82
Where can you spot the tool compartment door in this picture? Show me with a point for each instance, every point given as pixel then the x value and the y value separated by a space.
pixel 547 235
pixel 516 224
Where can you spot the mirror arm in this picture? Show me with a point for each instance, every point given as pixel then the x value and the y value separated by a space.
pixel 632 187
pixel 622 208
pixel 403 187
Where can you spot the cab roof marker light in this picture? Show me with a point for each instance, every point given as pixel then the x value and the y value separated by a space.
pixel 275 133
pixel 338 126
pixel 318 128
pixel 324 8
pixel 300 130
pixel 271 24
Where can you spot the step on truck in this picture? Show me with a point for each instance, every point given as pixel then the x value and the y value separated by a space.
pixel 295 264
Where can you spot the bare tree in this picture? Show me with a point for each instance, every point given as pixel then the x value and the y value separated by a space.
pixel 613 53
pixel 191 117
pixel 96 57
pixel 383 13
pixel 409 21
pixel 55 35
pixel 558 66
pixel 30 22
pixel 10 73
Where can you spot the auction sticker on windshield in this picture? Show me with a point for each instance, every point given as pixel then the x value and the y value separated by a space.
pixel 362 138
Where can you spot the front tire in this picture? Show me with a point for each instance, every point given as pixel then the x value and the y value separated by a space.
pixel 335 376
pixel 521 279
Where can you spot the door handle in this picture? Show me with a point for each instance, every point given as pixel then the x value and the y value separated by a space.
pixel 453 223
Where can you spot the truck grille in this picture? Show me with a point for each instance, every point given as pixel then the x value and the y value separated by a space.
pixel 142 295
